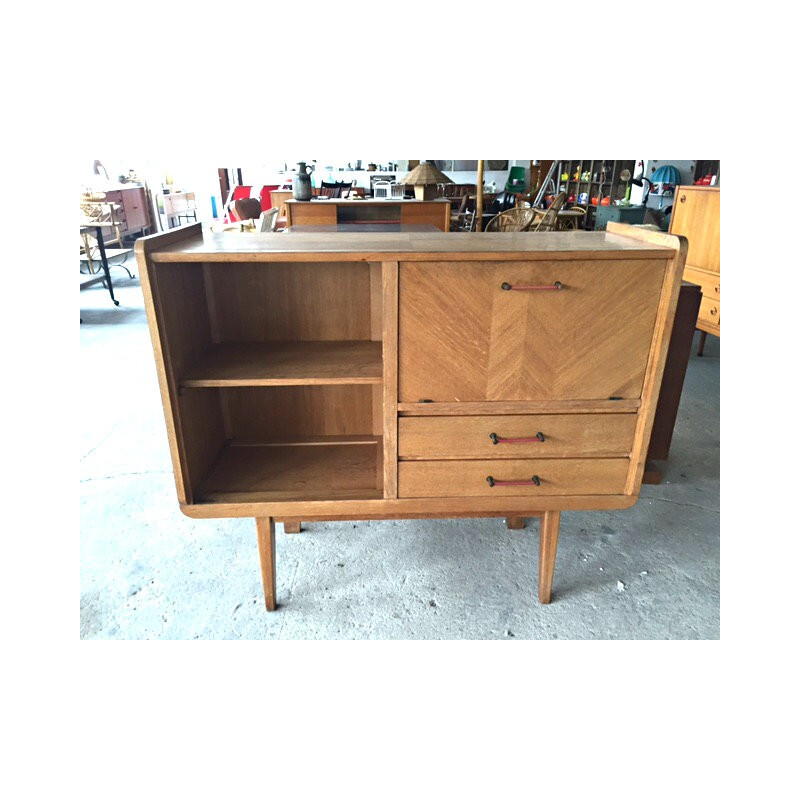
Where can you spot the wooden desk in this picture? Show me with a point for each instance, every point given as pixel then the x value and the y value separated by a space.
pixel 336 211
pixel 409 375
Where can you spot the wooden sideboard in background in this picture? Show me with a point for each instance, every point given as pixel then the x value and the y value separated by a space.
pixel 695 215
pixel 133 213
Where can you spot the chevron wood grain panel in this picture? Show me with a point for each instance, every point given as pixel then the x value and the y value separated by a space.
pixel 589 341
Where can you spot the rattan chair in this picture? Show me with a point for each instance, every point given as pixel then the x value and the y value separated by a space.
pixel 549 220
pixel 511 221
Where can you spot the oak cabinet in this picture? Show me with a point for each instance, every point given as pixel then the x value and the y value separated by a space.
pixel 696 215
pixel 337 376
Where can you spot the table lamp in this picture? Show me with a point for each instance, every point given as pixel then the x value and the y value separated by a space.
pixel 424 178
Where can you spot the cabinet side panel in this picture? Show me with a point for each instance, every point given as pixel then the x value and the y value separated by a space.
pixel 657 359
pixel 181 313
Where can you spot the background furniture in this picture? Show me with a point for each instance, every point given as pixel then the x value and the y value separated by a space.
pixel 695 215
pixel 595 177
pixel 515 219
pixel 86 282
pixel 680 348
pixel 178 205
pixel 392 212
pixel 632 215
pixel 394 377
pixel 133 213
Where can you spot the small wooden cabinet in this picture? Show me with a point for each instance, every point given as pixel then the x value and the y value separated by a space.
pixel 132 213
pixel 695 215
pixel 329 376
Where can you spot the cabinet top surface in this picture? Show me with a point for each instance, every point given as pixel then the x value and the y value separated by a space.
pixel 237 246
pixel 369 201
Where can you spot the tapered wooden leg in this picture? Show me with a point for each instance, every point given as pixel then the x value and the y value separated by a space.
pixel 548 544
pixel 292 526
pixel 515 523
pixel 702 344
pixel 266 550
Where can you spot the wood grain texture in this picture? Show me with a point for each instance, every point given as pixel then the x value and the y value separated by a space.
pixel 548 545
pixel 300 212
pixel 576 435
pixel 389 335
pixel 286 364
pixel 411 508
pixel 696 215
pixel 427 409
pixel 515 523
pixel 589 341
pixel 144 249
pixel 291 302
pixel 266 247
pixel 436 213
pixel 659 344
pixel 265 529
pixel 294 472
pixel 558 476
pixel 292 526
pixel 271 413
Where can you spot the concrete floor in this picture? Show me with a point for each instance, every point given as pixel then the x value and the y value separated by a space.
pixel 149 572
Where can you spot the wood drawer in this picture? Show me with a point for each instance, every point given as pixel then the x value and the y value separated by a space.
pixel 557 476
pixel 469 436
pixel 707 281
pixel 709 312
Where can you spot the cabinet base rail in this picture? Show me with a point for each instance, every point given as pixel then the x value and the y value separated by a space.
pixel 548 544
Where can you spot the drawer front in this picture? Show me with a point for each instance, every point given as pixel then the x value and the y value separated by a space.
pixel 518 436
pixel 709 311
pixel 310 213
pixel 437 214
pixel 515 337
pixel 707 281
pixel 512 477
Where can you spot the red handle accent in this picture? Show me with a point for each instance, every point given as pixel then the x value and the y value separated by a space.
pixel 519 440
pixel 535 480
pixel 556 287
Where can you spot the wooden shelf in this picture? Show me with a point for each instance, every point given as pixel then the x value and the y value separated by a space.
pixel 287 364
pixel 350 468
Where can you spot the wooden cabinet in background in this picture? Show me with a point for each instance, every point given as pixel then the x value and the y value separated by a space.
pixel 384 376
pixel 695 215
pixel 133 213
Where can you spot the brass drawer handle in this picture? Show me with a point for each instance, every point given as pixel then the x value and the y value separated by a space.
pixel 535 480
pixel 507 287
pixel 524 440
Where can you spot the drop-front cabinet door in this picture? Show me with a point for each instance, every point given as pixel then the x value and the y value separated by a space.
pixel 502 331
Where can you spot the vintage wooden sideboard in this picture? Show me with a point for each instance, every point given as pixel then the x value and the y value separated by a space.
pixel 336 211
pixel 392 376
pixel 695 215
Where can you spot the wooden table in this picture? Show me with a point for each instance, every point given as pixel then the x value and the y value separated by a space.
pixel 98 229
pixel 336 211
pixel 409 375
pixel 363 228
pixel 567 218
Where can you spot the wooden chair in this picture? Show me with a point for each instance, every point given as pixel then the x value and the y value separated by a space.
pixel 549 220
pixel 247 208
pixel 511 221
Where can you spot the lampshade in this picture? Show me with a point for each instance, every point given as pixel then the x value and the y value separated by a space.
pixel 424 175
pixel 666 174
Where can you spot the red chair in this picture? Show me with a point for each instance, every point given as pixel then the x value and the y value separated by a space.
pixel 237 193
pixel 266 196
